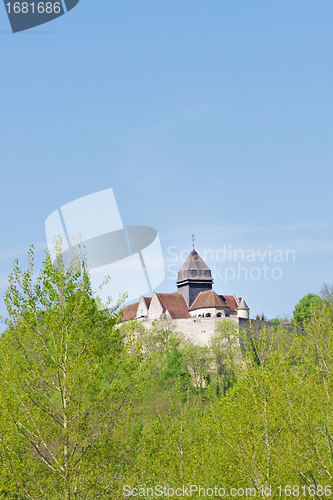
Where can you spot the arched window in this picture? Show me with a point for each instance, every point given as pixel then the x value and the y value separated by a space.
pixel 208 315
pixel 199 315
pixel 218 315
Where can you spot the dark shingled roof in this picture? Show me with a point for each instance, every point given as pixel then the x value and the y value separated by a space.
pixel 194 268
pixel 175 304
pixel 129 312
pixel 194 261
pixel 207 299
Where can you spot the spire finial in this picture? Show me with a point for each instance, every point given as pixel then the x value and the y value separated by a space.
pixel 193 240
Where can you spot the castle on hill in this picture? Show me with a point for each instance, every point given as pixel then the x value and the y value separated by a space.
pixel 195 308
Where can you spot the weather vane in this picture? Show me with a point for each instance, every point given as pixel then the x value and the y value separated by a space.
pixel 193 240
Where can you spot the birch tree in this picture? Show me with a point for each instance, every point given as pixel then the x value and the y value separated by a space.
pixel 67 378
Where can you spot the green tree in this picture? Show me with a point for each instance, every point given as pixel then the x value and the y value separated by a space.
pixel 305 307
pixel 175 366
pixel 67 378
pixel 247 426
pixel 197 359
pixel 224 347
pixel 169 448
pixel 273 428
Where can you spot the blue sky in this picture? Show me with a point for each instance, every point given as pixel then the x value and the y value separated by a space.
pixel 211 118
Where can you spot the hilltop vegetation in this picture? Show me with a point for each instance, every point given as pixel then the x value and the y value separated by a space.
pixel 89 408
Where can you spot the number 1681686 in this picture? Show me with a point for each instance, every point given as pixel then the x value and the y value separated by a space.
pixel 33 8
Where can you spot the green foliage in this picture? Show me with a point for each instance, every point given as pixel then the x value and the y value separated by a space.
pixel 197 359
pixel 273 426
pixel 88 406
pixel 225 349
pixel 305 307
pixel 175 366
pixel 66 380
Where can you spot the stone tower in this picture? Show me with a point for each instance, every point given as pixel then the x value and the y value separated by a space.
pixel 194 277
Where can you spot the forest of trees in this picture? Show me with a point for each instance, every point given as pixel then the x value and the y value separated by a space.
pixel 92 409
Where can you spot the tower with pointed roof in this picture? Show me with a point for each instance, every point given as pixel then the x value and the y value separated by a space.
pixel 195 308
pixel 194 277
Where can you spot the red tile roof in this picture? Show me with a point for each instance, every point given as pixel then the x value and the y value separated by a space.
pixel 148 301
pixel 177 307
pixel 130 312
pixel 175 304
pixel 230 301
pixel 207 299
